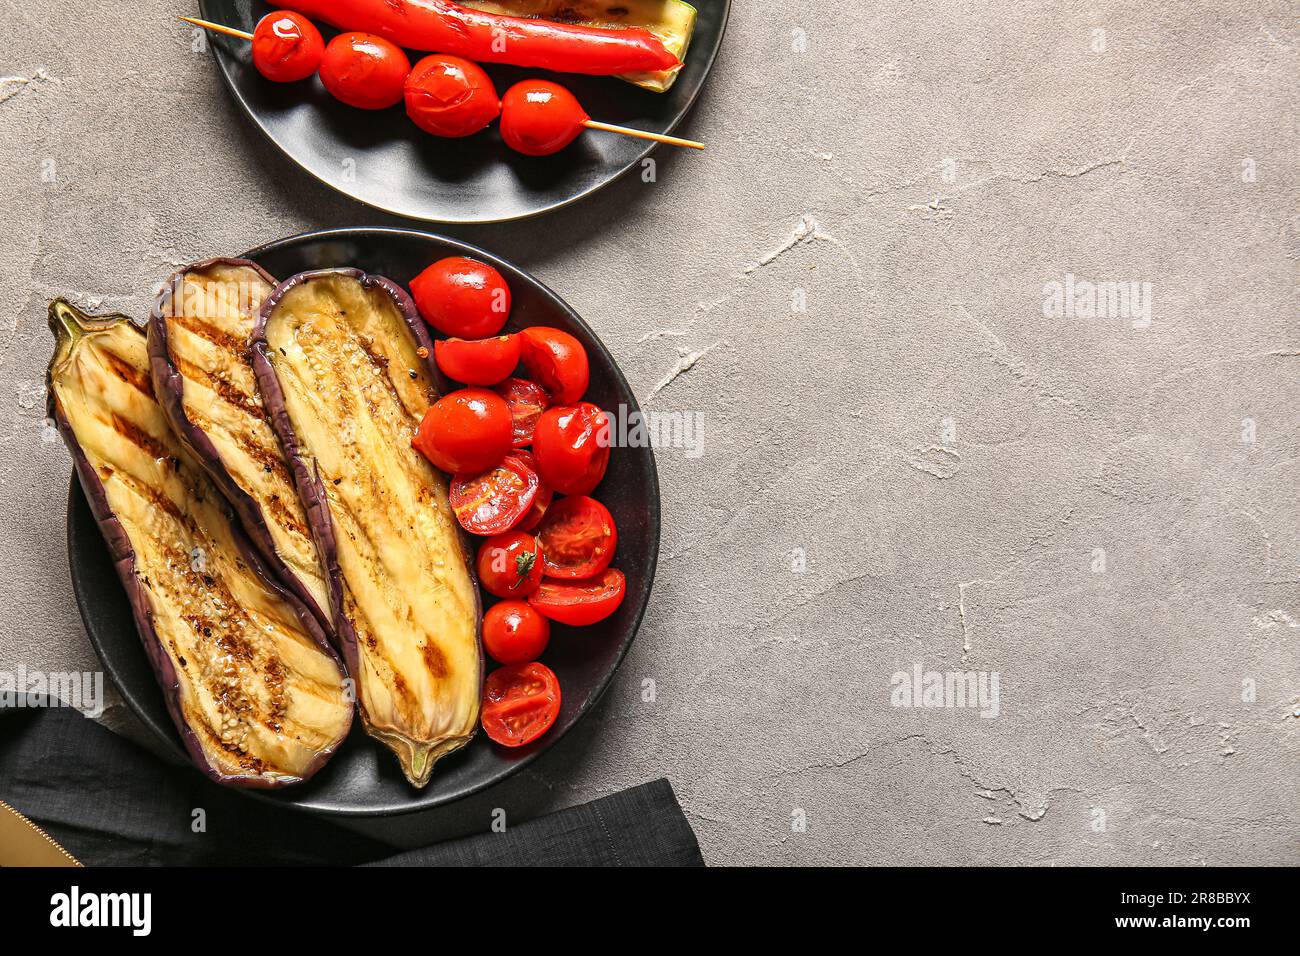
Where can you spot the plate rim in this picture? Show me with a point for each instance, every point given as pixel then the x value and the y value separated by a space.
pixel 223 58
pixel 167 735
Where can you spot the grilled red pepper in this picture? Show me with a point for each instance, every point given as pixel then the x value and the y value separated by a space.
pixel 442 26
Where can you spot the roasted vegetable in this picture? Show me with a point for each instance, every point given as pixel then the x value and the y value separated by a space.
pixel 255 690
pixel 343 362
pixel 444 26
pixel 199 350
pixel 672 21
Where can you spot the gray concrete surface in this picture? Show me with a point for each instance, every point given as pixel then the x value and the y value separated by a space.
pixel 906 462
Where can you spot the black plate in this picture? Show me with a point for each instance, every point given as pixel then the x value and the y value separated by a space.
pixel 382 159
pixel 363 778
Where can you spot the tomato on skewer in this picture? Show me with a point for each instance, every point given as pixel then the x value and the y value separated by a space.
pixel 287 47
pixel 364 71
pixel 539 117
pixel 449 96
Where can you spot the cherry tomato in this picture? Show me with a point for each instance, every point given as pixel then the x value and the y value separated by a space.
pixel 478 361
pixel 520 702
pixel 287 47
pixel 510 565
pixel 364 71
pixel 572 447
pixel 462 297
pixel 539 117
pixel 527 401
pixel 514 633
pixel 544 493
pixel 577 538
pixel 556 361
pixel 580 602
pixel 466 431
pixel 495 500
pixel 450 96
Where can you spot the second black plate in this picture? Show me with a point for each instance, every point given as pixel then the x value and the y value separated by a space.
pixel 363 779
pixel 383 160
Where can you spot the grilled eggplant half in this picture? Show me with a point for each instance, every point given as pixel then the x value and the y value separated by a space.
pixel 257 693
pixel 200 334
pixel 342 359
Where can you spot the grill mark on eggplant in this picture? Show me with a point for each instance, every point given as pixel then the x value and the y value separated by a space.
pixel 292 520
pixel 232 344
pixel 269 458
pixel 226 390
pixel 139 437
pixel 129 374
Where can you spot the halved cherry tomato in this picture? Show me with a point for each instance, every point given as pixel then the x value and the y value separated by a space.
pixel 462 297
pixel 544 493
pixel 572 447
pixel 539 117
pixel 580 602
pixel 556 361
pixel 510 565
pixel 520 702
pixel 467 431
pixel 478 361
pixel 495 500
pixel 577 538
pixel 527 401
pixel 514 633
pixel 450 96
pixel 364 71
pixel 287 47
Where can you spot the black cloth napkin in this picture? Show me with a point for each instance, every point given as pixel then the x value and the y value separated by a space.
pixel 111 803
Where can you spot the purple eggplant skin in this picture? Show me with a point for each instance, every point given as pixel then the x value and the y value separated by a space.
pixel 310 486
pixel 62 318
pixel 168 384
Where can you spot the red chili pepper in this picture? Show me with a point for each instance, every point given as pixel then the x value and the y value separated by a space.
pixel 442 26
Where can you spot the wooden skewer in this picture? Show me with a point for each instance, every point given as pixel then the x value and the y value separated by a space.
pixel 218 28
pixel 590 124
pixel 642 134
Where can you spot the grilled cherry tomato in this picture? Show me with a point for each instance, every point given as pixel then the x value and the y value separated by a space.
pixel 580 602
pixel 527 401
pixel 577 538
pixel 287 47
pixel 495 500
pixel 365 71
pixel 450 96
pixel 571 445
pixel 556 361
pixel 544 493
pixel 539 117
pixel 510 565
pixel 478 361
pixel 514 633
pixel 520 702
pixel 467 431
pixel 462 297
